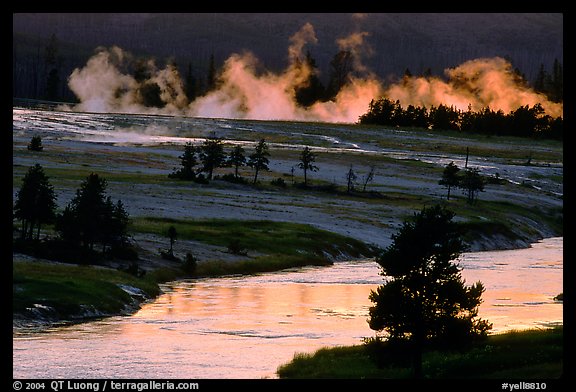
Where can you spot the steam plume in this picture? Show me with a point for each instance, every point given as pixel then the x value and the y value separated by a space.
pixel 479 83
pixel 242 93
pixel 245 91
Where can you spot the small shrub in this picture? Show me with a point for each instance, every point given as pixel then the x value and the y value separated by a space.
pixel 58 250
pixel 201 179
pixel 559 297
pixel 35 144
pixel 190 264
pixel 167 255
pixel 279 182
pixel 495 179
pixel 123 252
pixel 235 248
pixel 385 352
pixel 133 269
pixel 232 178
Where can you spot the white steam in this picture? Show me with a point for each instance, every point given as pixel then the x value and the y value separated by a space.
pixel 244 91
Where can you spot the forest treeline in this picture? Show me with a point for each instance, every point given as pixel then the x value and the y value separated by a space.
pixel 525 121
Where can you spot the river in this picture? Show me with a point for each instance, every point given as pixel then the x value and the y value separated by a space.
pixel 246 326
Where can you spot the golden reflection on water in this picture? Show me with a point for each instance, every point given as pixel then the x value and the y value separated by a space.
pixel 520 285
pixel 244 327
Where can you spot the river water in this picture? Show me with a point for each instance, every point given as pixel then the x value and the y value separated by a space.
pixel 245 327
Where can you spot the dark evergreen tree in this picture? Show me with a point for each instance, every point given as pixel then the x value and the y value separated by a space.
pixel 450 177
pixel 540 82
pixel 444 117
pixel 237 158
pixel 212 155
pixel 556 129
pixel 467 120
pixel 90 209
pixel 35 144
pixel 117 232
pixel 424 300
pixel 412 117
pixel 472 183
pixel 307 159
pixel 313 90
pixel 67 225
pixel 341 68
pixel 380 111
pixel 258 160
pixel 557 87
pixel 92 218
pixel 188 162
pixel 427 73
pixel 35 202
pixel 526 121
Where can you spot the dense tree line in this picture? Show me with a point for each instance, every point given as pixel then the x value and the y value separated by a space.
pixel 90 218
pixel 525 121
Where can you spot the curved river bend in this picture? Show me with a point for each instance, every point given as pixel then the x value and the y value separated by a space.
pixel 245 327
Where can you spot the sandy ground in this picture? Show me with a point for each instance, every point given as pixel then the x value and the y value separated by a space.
pixel 145 149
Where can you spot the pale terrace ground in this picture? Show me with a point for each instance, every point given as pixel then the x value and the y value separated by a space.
pixel 135 154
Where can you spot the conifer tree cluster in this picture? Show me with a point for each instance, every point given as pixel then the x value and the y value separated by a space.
pixel 199 163
pixel 525 121
pixel 90 218
pixel 471 181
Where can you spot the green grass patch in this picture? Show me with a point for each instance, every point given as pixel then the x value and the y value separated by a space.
pixel 345 362
pixel 71 289
pixel 266 237
pixel 66 175
pixel 260 264
pixel 531 354
pixel 270 246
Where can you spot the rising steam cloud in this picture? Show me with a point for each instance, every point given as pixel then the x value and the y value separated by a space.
pixel 476 83
pixel 243 91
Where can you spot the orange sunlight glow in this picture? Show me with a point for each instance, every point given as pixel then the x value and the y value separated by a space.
pixel 245 92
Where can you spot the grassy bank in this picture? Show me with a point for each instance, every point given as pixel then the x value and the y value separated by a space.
pixel 531 354
pixel 69 291
pixel 66 291
pixel 270 245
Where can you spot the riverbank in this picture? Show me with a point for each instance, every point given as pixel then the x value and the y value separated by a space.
pixel 47 292
pixel 524 355
pixel 135 154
